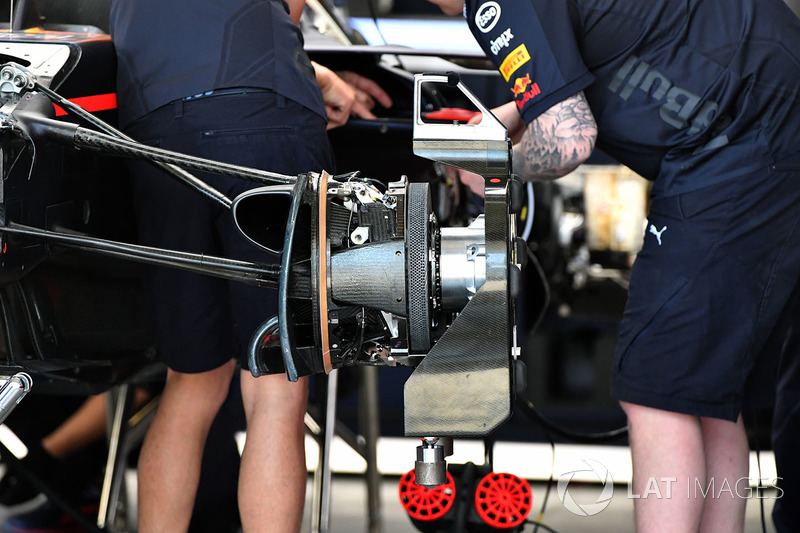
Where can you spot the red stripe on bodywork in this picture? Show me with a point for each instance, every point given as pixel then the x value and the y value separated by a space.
pixel 98 102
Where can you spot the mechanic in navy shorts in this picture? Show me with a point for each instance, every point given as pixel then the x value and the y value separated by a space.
pixel 227 81
pixel 703 98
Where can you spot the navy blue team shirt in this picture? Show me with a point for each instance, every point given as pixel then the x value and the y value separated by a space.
pixel 171 49
pixel 688 93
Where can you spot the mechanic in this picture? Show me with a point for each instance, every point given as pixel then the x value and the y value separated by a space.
pixel 227 81
pixel 702 98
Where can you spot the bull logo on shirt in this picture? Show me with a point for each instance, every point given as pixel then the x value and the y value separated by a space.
pixel 520 85
pixel 525 91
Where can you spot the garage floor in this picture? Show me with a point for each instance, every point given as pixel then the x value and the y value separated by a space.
pixel 349 510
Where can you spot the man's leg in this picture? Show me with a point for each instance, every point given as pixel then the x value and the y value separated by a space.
pixel 169 464
pixel 728 467
pixel 272 479
pixel 85 426
pixel 216 504
pixel 667 450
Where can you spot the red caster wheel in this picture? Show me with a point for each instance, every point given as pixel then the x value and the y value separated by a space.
pixel 503 501
pixel 426 504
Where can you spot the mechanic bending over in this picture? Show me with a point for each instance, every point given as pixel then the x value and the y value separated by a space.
pixel 228 81
pixel 703 98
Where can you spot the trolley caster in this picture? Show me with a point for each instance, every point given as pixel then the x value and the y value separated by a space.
pixel 503 501
pixel 473 500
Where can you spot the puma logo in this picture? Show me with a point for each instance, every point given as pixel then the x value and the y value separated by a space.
pixel 657 233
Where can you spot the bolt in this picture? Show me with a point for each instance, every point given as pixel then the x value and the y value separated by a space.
pixel 429 442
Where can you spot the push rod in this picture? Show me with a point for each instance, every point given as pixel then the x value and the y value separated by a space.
pixel 86 138
pixel 259 274
pixel 175 171
pixel 113 142
pixel 38 126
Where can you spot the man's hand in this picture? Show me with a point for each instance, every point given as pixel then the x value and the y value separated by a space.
pixel 510 117
pixel 349 94
pixel 367 93
pixel 474 182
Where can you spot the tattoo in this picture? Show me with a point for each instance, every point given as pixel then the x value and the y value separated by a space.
pixel 556 142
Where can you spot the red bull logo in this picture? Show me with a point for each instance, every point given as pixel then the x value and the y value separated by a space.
pixel 527 94
pixel 520 85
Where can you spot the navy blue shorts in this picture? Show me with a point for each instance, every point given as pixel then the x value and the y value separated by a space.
pixel 201 321
pixel 707 290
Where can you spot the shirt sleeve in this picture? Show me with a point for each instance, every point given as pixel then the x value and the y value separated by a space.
pixel 533 45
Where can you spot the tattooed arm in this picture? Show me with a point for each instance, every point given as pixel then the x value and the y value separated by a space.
pixel 556 142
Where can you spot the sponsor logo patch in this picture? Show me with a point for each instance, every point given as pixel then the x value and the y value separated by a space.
pixel 680 107
pixel 527 95
pixel 518 57
pixel 487 16
pixel 520 85
pixel 501 42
